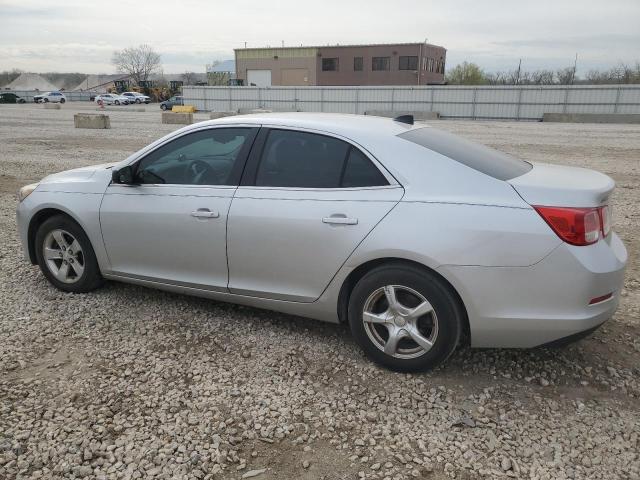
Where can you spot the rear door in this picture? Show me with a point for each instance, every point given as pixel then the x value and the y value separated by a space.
pixel 306 201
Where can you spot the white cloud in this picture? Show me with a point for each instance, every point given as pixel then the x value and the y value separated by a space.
pixel 80 35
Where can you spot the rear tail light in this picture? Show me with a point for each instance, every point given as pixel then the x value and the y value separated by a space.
pixel 577 226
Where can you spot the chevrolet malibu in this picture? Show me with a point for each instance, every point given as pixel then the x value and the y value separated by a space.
pixel 419 239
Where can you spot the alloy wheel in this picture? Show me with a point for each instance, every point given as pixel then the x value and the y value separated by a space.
pixel 63 256
pixel 400 321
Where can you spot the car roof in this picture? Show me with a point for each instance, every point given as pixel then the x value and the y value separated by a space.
pixel 357 127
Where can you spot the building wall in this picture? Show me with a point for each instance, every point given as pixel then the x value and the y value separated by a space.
pixel 287 65
pixel 303 65
pixel 347 75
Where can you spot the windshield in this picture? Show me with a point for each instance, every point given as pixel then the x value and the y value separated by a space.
pixel 483 159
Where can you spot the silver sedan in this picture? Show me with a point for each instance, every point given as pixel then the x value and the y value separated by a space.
pixel 420 240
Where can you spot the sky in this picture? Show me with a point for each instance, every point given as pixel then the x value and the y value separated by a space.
pixel 81 35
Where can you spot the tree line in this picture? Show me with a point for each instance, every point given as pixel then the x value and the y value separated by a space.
pixel 471 74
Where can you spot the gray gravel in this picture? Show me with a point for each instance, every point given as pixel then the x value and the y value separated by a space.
pixel 130 383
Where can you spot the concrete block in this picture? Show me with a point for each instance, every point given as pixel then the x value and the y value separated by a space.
pixel 246 111
pixel 91 120
pixel 214 115
pixel 51 106
pixel 592 117
pixel 183 109
pixel 177 118
pixel 121 109
pixel 417 114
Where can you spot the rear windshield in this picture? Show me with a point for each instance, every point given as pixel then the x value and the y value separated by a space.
pixel 483 159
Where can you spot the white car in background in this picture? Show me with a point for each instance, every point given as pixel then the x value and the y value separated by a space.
pixel 112 99
pixel 54 97
pixel 136 97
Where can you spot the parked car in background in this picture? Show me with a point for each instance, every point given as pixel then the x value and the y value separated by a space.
pixel 168 104
pixel 111 99
pixel 136 97
pixel 53 97
pixel 417 238
pixel 10 97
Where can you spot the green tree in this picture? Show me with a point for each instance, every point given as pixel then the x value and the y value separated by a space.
pixel 466 74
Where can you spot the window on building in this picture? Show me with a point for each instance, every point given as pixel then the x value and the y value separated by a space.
pixel 380 63
pixel 408 63
pixel 357 64
pixel 329 64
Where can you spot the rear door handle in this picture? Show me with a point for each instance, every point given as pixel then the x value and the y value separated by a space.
pixel 340 220
pixel 204 213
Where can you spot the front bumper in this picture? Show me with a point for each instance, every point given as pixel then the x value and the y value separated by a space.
pixel 520 307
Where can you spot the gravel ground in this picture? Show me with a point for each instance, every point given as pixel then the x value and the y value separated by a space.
pixel 128 382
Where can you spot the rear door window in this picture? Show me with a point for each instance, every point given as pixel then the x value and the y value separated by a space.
pixel 483 159
pixel 307 160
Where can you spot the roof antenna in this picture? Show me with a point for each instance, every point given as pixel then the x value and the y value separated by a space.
pixel 408 119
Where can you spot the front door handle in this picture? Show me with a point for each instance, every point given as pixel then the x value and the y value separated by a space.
pixel 340 219
pixel 204 213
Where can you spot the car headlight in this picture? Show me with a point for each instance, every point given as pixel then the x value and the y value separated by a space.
pixel 25 191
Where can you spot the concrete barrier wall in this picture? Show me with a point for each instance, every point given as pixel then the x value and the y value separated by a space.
pixel 177 118
pixel 91 120
pixel 592 117
pixel 416 115
pixel 523 102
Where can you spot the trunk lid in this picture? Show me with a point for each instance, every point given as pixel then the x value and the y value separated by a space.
pixel 561 186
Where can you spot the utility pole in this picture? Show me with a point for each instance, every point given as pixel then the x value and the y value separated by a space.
pixel 575 65
pixel 518 75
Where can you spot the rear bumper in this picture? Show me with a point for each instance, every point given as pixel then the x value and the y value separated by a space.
pixel 520 307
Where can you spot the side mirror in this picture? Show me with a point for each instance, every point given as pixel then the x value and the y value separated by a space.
pixel 123 175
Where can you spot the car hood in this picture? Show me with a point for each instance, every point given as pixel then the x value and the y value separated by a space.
pixel 90 179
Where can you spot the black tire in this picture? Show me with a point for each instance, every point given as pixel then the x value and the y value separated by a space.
pixel 138 101
pixel 90 278
pixel 62 100
pixel 45 100
pixel 117 102
pixel 449 315
pixel 163 107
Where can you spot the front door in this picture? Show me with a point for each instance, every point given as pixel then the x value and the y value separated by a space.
pixel 170 225
pixel 311 200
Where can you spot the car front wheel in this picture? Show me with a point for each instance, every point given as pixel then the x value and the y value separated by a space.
pixel 405 318
pixel 117 102
pixel 163 107
pixel 46 100
pixel 137 100
pixel 65 256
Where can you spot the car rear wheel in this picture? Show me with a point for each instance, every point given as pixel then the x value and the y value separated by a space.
pixel 65 256
pixel 137 100
pixel 117 102
pixel 45 100
pixel 405 318
pixel 163 107
pixel 62 100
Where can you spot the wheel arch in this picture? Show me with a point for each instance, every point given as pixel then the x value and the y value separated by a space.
pixel 361 270
pixel 38 219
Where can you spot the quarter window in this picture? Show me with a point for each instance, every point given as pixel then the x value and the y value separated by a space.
pixel 380 63
pixel 206 157
pixel 360 172
pixel 329 64
pixel 408 63
pixel 307 160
